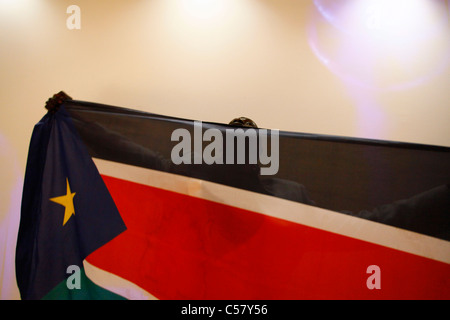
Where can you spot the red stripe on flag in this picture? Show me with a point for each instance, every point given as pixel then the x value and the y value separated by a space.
pixel 181 247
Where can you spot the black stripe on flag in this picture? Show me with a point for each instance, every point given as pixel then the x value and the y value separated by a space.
pixel 405 185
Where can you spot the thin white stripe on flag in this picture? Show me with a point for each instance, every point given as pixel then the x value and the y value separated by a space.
pixel 358 228
pixel 115 283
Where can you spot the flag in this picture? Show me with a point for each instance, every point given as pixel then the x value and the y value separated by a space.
pixel 329 218
pixel 67 213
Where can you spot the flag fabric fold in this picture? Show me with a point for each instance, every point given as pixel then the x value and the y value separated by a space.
pixel 103 192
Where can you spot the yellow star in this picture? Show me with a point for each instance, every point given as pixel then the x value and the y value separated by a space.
pixel 67 202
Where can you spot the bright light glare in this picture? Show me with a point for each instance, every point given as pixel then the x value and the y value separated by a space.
pixel 387 18
pixel 204 9
pixel 20 10
pixel 382 43
pixel 8 2
pixel 376 46
pixel 14 4
pixel 399 18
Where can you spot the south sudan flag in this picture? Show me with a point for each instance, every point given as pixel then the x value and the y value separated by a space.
pixel 340 218
pixel 67 213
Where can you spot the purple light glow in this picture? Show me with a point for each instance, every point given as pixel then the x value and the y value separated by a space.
pixel 10 201
pixel 363 43
pixel 380 46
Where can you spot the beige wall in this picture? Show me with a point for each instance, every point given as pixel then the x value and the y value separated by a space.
pixel 278 62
